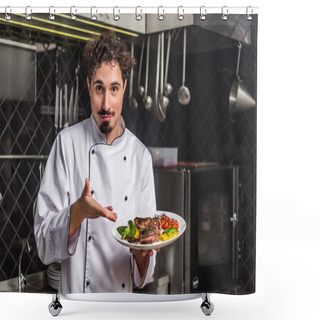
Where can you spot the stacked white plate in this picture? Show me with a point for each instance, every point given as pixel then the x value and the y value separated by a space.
pixel 54 271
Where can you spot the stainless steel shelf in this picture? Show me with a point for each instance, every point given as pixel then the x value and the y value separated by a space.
pixel 22 157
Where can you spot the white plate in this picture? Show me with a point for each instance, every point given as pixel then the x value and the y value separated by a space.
pixel 155 245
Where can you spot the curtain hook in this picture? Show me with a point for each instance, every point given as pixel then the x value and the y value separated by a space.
pixel 116 16
pixel 93 16
pixel 72 15
pixel 180 13
pixel 51 10
pixel 138 15
pixel 6 9
pixel 224 13
pixel 160 15
pixel 28 13
pixel 249 14
pixel 203 13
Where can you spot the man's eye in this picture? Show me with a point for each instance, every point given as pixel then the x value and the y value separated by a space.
pixel 99 88
pixel 114 89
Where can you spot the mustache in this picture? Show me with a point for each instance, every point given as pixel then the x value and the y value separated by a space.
pixel 103 112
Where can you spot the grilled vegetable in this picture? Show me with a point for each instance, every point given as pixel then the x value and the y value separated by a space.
pixel 133 229
pixel 167 222
pixel 128 232
pixel 169 234
pixel 121 229
pixel 137 233
pixel 171 230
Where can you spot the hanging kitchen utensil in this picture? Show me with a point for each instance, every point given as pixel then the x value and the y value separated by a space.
pixel 132 101
pixel 167 86
pixel 157 109
pixel 163 100
pixel 76 98
pixel 183 92
pixel 71 101
pixel 56 106
pixel 66 124
pixel 76 105
pixel 140 87
pixel 147 100
pixel 156 91
pixel 60 109
pixel 56 110
pixel 239 98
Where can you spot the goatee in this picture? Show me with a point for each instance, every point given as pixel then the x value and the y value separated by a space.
pixel 105 126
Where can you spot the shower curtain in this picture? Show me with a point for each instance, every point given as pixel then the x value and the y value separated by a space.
pixel 191 99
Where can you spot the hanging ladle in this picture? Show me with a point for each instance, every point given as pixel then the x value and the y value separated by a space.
pixel 167 86
pixel 140 87
pixel 183 92
pixel 147 100
pixel 132 101
pixel 163 100
pixel 239 98
pixel 158 110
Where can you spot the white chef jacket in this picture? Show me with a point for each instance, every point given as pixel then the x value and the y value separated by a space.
pixel 121 176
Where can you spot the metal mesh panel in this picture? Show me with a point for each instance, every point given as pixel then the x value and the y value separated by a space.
pixel 27 132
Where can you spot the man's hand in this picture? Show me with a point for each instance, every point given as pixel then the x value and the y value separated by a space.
pixel 142 258
pixel 87 207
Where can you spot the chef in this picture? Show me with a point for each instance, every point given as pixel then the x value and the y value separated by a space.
pixel 97 172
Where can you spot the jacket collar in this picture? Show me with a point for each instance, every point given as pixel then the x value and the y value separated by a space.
pixel 100 137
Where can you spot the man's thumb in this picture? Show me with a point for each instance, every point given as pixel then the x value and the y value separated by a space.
pixel 86 189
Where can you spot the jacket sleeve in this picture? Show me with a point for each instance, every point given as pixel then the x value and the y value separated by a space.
pixel 52 217
pixel 139 281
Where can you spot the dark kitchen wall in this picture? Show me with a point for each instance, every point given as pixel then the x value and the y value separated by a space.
pixel 27 132
pixel 202 130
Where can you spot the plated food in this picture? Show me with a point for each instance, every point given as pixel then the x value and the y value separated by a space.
pixel 149 230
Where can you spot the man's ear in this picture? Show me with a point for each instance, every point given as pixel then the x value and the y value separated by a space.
pixel 88 84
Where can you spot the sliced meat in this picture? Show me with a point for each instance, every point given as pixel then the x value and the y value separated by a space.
pixel 149 239
pixel 150 229
pixel 133 240
pixel 142 223
pixel 156 222
pixel 149 235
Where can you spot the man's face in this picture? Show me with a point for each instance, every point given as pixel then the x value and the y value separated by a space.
pixel 106 91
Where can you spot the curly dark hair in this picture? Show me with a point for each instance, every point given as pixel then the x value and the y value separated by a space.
pixel 107 47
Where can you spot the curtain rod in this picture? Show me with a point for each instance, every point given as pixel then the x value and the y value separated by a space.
pixel 139 11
